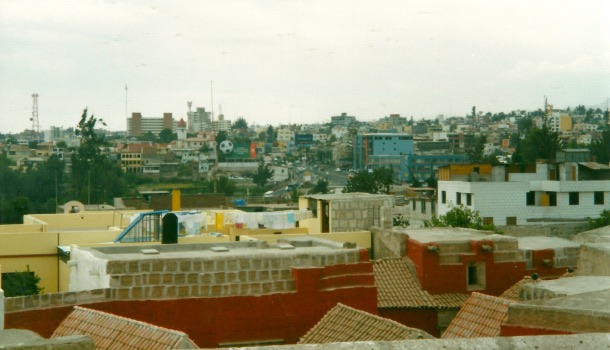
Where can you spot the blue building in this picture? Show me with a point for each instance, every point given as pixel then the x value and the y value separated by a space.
pixel 423 166
pixel 372 151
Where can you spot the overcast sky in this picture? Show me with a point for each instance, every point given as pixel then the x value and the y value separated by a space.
pixel 297 61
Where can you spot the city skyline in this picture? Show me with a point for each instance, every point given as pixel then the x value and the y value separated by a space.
pixel 297 62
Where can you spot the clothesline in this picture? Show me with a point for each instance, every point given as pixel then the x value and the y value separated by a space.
pixel 274 220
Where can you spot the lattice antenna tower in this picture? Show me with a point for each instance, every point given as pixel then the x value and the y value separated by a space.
pixel 34 118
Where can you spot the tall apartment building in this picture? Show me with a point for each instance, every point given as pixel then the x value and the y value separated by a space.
pixel 199 120
pixel 221 124
pixel 138 125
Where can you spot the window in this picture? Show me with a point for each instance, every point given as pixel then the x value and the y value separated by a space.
pixel 443 197
pixel 573 198
pixel 458 198
pixel 312 204
pixel 511 220
pixel 475 169
pixel 598 197
pixel 552 199
pixel 423 206
pixel 475 276
pixel 530 198
pixel 468 198
pixel 414 206
pixel 488 220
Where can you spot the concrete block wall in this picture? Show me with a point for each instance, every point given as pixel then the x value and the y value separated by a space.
pixel 356 215
pixel 594 259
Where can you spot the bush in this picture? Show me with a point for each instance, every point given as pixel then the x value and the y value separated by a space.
pixel 461 216
pixel 601 221
pixel 17 284
pixel 400 220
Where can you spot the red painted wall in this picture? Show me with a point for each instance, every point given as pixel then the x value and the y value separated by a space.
pixel 424 319
pixel 514 331
pixel 451 278
pixel 543 270
pixel 209 321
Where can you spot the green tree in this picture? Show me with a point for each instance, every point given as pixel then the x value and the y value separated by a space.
pixel 95 178
pixel 271 134
pixel 600 149
pixel 378 181
pixel 474 149
pixel 539 143
pixel 601 221
pixel 320 187
pixel 166 135
pixel 225 185
pixel 23 283
pixel 263 174
pixel 62 144
pixel 461 216
pixel 400 220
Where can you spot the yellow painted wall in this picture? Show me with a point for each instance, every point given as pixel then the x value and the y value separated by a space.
pixel 544 200
pixel 91 219
pixel 22 228
pixel 46 267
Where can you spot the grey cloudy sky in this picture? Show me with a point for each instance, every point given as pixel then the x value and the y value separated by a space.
pixel 297 61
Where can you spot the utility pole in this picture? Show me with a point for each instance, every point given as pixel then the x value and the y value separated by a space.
pixel 34 118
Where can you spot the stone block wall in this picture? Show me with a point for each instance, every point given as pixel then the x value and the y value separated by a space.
pixel 356 215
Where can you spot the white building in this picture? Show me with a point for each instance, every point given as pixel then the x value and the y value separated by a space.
pixel 285 134
pixel 554 193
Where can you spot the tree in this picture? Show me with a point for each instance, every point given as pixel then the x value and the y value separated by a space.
pixel 461 216
pixel 271 134
pixel 540 143
pixel 20 283
pixel 225 185
pixel 166 135
pixel 62 144
pixel 377 181
pixel 263 174
pixel 95 178
pixel 601 221
pixel 600 149
pixel 475 148
pixel 320 187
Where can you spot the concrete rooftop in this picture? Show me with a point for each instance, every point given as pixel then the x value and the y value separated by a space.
pixel 453 234
pixel 290 247
pixel 542 242
pixel 572 286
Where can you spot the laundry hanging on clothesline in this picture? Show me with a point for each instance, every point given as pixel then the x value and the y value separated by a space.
pixel 274 220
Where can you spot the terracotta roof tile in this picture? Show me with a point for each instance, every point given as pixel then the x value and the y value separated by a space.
pixel 398 287
pixel 481 316
pixel 114 332
pixel 345 324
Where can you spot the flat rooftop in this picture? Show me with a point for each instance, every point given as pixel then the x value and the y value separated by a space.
pixel 574 285
pixel 542 242
pixel 349 196
pixel 453 234
pixel 288 247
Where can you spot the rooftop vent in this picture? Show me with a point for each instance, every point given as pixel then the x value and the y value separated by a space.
pixel 285 246
pixel 219 249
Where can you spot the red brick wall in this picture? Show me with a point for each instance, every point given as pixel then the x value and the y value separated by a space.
pixel 451 278
pixel 209 321
pixel 424 319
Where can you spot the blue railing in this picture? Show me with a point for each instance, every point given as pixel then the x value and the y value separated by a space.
pixel 147 227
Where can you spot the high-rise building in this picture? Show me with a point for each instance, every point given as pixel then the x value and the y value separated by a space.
pixel 198 120
pixel 137 125
pixel 342 119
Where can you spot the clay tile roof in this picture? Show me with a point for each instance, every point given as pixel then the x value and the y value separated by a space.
pixel 512 293
pixel 481 316
pixel 114 332
pixel 345 324
pixel 398 287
